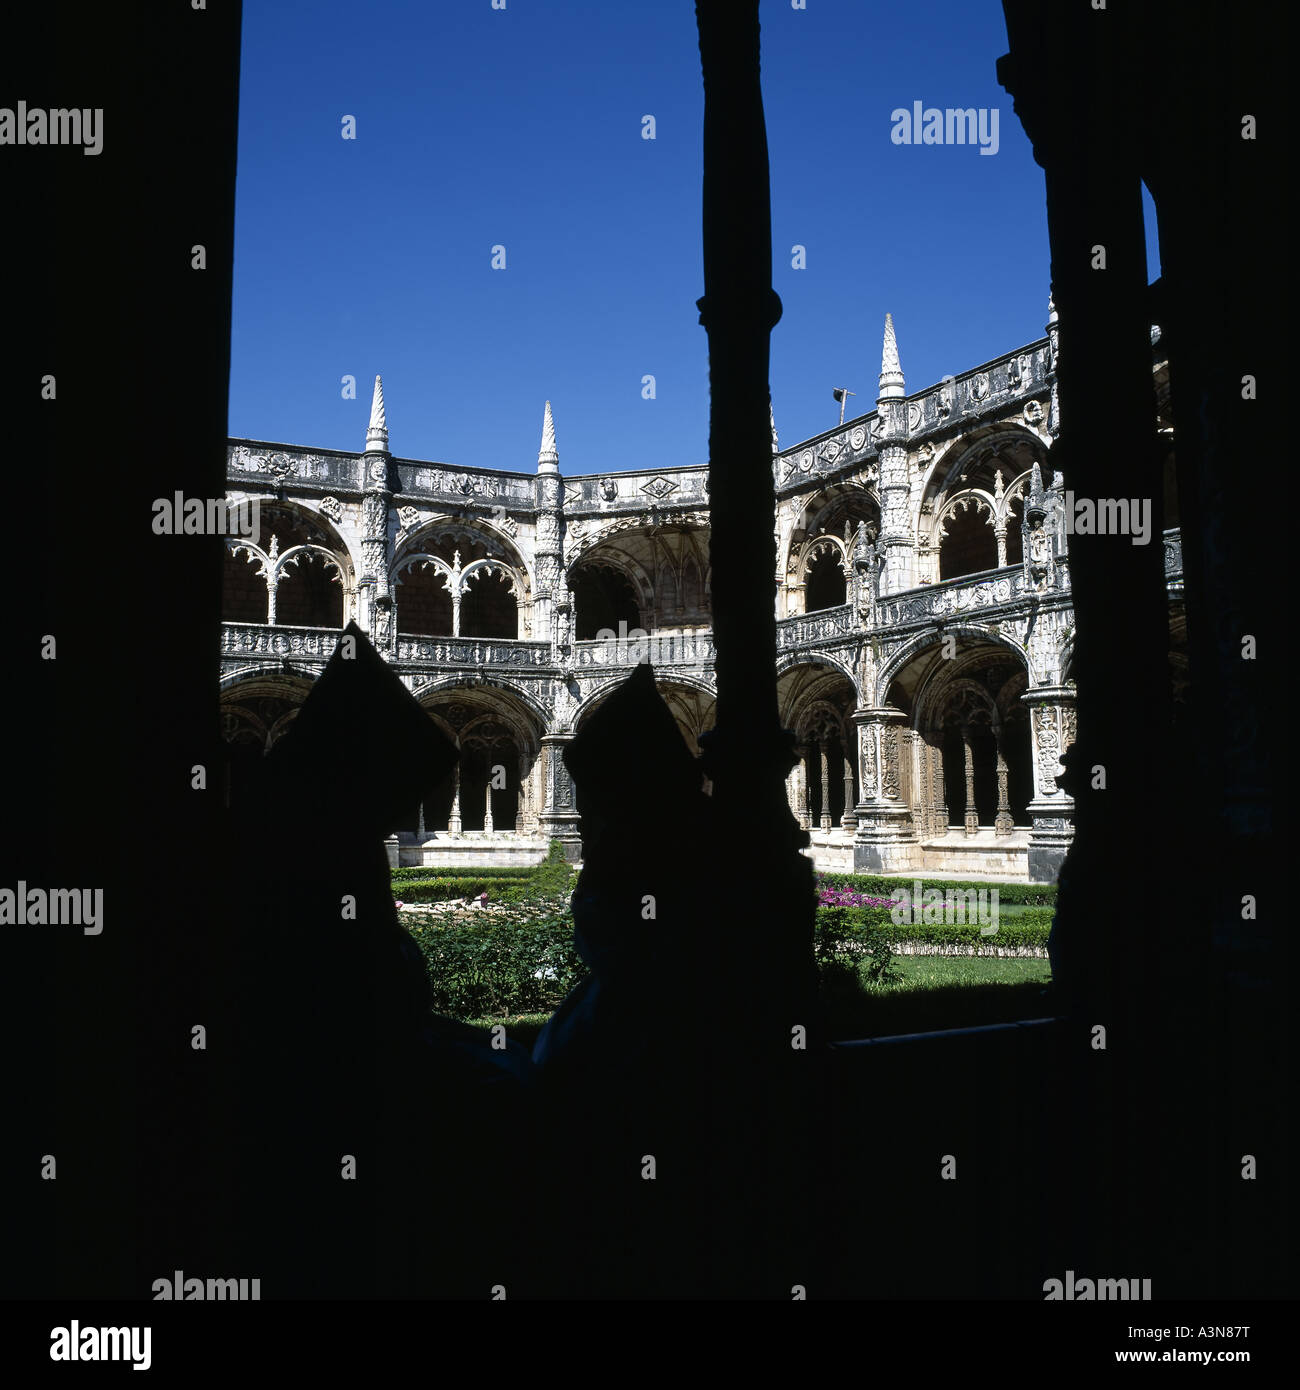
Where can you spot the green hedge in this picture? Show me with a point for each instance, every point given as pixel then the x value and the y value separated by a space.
pixel 522 959
pixel 489 964
pixel 419 872
pixel 1026 929
pixel 440 890
pixel 512 884
pixel 1010 894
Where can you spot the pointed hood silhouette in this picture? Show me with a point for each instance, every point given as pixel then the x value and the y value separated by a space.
pixel 629 759
pixel 361 746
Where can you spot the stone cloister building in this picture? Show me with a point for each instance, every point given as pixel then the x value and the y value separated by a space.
pixel 922 590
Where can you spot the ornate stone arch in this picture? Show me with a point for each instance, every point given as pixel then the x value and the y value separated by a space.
pixel 274 565
pixel 984 504
pixel 496 784
pixel 617 561
pixel 801 555
pixel 1017 490
pixel 916 646
pixel 788 661
pixel 439 685
pixel 418 553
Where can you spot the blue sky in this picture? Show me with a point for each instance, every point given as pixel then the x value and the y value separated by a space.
pixel 522 127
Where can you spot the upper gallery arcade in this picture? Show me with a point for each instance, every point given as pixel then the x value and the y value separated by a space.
pixel 922 590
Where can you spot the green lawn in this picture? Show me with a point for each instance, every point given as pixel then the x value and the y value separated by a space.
pixel 520 1028
pixel 938 992
pixel 935 992
pixel 942 972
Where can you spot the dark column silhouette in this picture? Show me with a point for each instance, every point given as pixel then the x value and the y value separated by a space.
pixel 1149 939
pixel 747 755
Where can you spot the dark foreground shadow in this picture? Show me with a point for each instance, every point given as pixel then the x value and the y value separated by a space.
pixel 376 1144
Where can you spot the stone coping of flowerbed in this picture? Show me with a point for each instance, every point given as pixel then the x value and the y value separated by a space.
pixel 456 905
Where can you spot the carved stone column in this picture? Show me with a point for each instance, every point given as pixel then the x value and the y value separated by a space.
pixel 272 581
pixel 1003 823
pixel 938 789
pixel 849 820
pixel 805 808
pixel 885 836
pixel 971 815
pixel 825 817
pixel 453 818
pixel 1051 811
pixel 487 807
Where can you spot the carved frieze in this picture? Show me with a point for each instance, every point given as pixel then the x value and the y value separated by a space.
pixel 889 760
pixel 867 746
pixel 1047 738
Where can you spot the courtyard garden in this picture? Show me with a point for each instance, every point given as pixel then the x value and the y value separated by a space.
pixel 499 946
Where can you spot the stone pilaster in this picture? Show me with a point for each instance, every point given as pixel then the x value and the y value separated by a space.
pixel 559 819
pixel 885 837
pixel 525 816
pixel 1051 811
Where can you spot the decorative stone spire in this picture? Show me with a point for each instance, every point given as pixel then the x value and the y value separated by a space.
pixel 377 433
pixel 891 371
pixel 548 460
pixel 1053 363
pixel 771 415
pixel 1036 502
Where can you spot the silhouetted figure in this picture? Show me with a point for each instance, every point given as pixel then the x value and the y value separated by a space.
pixel 343 1055
pixel 627 1064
